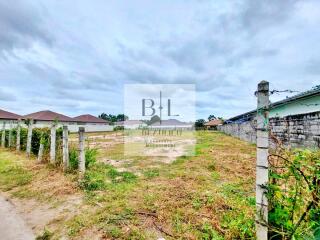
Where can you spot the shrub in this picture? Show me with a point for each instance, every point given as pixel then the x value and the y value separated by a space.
pixel 37 134
pixel 118 128
pixel 90 156
pixel 294 194
pixel 23 138
pixel 73 158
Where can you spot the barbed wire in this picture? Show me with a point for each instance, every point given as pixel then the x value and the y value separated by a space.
pixel 283 91
pixel 310 104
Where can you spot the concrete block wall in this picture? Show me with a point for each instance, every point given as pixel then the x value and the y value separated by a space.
pixel 245 131
pixel 298 130
pixel 301 130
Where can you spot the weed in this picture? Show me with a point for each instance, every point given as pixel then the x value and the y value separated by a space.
pixel 101 175
pixel 151 173
pixel 208 233
pixel 46 235
pixel 12 176
pixel 90 156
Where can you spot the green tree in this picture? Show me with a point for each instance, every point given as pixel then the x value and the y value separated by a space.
pixel 211 117
pixel 122 117
pixel 108 117
pixel 199 123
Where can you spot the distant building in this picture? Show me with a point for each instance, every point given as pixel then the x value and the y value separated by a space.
pixel 306 102
pixel 46 118
pixel 171 124
pixel 8 118
pixel 131 124
pixel 92 123
pixel 213 124
pixel 293 121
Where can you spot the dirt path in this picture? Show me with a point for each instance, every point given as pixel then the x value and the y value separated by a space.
pixel 12 226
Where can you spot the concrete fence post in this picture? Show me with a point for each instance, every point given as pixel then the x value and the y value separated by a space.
pixel 40 153
pixel 82 160
pixel 3 136
pixel 29 137
pixel 18 135
pixel 262 173
pixel 53 143
pixel 65 148
pixel 10 135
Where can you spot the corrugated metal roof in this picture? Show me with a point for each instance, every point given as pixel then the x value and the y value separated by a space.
pixel 248 115
pixel 89 119
pixel 8 115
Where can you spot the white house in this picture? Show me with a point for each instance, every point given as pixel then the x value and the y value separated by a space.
pixel 47 118
pixel 92 124
pixel 171 124
pixel 131 124
pixel 8 119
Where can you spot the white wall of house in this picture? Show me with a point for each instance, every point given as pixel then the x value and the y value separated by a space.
pixel 134 126
pixel 172 127
pixel 91 127
pixel 8 124
pixel 131 126
pixel 72 126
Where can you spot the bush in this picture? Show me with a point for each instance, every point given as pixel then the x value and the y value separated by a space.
pixel 73 158
pixel 23 138
pixel 118 128
pixel 294 194
pixel 90 156
pixel 37 134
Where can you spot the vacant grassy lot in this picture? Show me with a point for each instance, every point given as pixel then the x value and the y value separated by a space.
pixel 206 196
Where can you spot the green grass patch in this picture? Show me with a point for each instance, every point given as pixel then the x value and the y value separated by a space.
pixel 151 173
pixel 101 176
pixel 12 175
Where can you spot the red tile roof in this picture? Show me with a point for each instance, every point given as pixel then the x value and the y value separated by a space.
pixel 48 116
pixel 89 119
pixel 8 115
pixel 214 122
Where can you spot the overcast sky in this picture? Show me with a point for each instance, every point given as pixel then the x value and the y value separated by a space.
pixel 74 57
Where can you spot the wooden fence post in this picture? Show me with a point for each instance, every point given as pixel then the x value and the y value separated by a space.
pixel 29 137
pixel 53 143
pixel 65 150
pixel 262 173
pixel 82 160
pixel 18 135
pixel 10 135
pixel 3 136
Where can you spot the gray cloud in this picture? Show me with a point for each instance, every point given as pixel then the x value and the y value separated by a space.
pixel 313 67
pixel 7 96
pixel 20 25
pixel 258 15
pixel 224 48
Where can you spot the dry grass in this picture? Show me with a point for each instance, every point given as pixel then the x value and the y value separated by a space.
pixel 206 196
